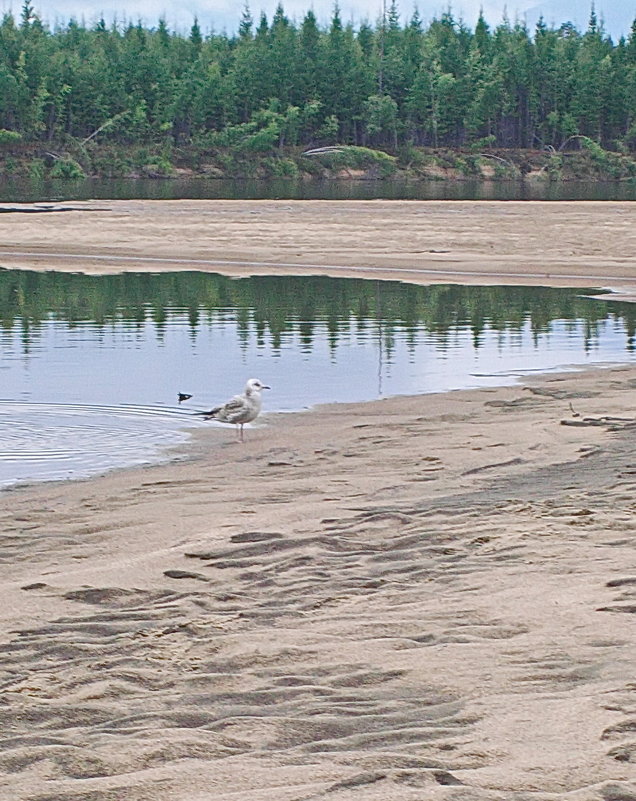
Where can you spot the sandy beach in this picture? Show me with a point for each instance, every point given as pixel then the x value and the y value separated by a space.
pixel 426 597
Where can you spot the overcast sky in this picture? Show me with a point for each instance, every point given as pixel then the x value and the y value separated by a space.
pixel 221 15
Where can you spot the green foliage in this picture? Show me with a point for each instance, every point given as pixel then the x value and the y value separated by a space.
pixel 608 164
pixel 503 172
pixel 554 166
pixel 8 166
pixel 328 132
pixel 375 162
pixel 483 143
pixel 159 167
pixel 412 158
pixel 36 169
pixel 111 164
pixel 593 148
pixel 227 164
pixel 280 167
pixel 381 118
pixel 67 169
pixel 469 166
pixel 9 137
pixel 365 156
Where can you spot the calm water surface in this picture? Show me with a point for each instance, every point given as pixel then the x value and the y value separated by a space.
pixel 12 191
pixel 91 366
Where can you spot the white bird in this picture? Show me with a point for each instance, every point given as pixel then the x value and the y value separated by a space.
pixel 240 409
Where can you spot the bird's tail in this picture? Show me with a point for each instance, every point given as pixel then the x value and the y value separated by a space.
pixel 211 414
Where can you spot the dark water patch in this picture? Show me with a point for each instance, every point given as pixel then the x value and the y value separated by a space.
pixel 26 191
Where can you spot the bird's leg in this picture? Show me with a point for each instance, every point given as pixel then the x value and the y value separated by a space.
pixel 241 432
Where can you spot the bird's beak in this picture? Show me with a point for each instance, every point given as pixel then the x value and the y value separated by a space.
pixel 265 387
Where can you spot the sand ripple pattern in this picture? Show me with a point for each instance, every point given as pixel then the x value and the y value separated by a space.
pixel 374 654
pixel 212 673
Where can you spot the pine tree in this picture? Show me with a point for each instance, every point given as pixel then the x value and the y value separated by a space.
pixel 246 24
pixel 27 16
pixel 307 60
pixel 196 39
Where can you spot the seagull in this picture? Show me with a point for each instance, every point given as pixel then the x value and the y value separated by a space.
pixel 240 409
pixel 183 396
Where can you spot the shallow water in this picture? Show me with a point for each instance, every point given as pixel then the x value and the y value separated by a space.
pixel 91 365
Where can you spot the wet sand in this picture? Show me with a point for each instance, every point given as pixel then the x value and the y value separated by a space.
pixel 424 597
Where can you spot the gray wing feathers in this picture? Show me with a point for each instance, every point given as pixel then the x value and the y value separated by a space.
pixel 235 404
pixel 239 409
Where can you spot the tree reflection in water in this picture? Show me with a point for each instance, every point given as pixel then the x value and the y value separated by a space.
pixel 266 309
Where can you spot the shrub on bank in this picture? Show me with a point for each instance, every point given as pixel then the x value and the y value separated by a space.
pixel 9 137
pixel 67 169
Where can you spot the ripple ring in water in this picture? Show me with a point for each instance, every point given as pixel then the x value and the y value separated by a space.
pixel 54 441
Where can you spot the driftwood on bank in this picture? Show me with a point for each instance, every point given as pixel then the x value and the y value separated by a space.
pixel 319 151
pixel 612 423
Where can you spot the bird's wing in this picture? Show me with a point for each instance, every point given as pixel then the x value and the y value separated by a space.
pixel 235 404
pixel 236 410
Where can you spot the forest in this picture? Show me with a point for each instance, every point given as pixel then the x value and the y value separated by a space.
pixel 102 98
